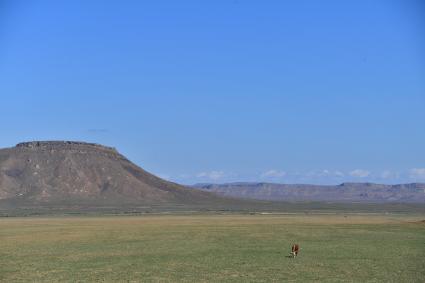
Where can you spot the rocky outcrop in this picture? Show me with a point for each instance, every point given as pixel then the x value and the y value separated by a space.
pixel 64 145
pixel 60 144
pixel 72 172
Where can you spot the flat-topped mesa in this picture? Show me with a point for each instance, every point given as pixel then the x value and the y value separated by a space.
pixel 64 145
pixel 80 175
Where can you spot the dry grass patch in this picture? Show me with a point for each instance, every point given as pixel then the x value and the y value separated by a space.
pixel 208 248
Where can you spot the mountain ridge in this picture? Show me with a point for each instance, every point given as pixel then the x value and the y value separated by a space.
pixel 62 177
pixel 57 171
pixel 344 192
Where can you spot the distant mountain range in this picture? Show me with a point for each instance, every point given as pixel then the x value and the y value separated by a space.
pixel 346 192
pixel 54 177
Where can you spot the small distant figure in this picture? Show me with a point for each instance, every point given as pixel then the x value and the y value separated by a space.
pixel 295 249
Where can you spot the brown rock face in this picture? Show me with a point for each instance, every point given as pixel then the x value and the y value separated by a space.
pixel 52 171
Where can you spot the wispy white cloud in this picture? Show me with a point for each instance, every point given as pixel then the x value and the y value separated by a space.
pixel 319 176
pixel 360 173
pixel 338 174
pixel 387 174
pixel 417 173
pixel 273 174
pixel 325 173
pixel 211 175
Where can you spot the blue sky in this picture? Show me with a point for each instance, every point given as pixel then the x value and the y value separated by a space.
pixel 217 91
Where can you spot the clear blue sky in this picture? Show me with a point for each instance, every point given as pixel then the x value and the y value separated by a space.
pixel 217 91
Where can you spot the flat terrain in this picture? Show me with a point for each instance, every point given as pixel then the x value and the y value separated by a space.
pixel 213 248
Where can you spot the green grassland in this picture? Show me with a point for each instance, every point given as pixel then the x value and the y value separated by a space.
pixel 213 248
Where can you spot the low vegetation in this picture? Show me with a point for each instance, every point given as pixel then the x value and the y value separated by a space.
pixel 213 248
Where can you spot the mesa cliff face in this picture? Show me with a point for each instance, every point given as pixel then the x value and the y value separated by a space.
pixel 65 171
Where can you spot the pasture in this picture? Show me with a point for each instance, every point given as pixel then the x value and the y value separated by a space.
pixel 213 248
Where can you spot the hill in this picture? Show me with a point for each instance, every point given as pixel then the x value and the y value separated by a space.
pixel 66 177
pixel 69 174
pixel 346 192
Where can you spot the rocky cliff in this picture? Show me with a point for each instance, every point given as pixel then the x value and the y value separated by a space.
pixel 72 172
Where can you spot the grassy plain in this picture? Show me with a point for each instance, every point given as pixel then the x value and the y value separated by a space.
pixel 213 248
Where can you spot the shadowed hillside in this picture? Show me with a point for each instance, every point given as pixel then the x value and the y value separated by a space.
pixel 62 172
